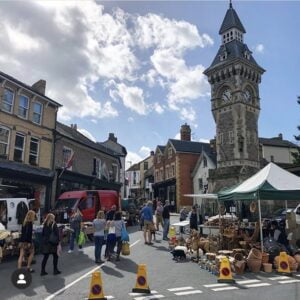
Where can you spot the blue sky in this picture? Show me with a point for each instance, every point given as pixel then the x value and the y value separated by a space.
pixel 135 68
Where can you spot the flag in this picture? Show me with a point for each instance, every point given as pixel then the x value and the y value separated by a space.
pixel 70 161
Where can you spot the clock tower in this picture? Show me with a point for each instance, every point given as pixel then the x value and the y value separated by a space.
pixel 234 77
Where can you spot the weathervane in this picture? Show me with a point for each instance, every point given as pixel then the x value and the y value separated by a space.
pixel 230 4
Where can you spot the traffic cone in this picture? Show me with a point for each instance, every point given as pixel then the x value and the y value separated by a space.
pixel 141 285
pixel 283 264
pixel 96 288
pixel 225 271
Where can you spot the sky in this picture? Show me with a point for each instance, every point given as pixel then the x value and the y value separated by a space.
pixel 134 68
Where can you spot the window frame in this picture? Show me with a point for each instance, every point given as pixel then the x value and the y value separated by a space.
pixel 33 112
pixel 20 134
pixel 8 140
pixel 38 150
pixel 27 109
pixel 170 152
pixel 13 100
pixel 64 163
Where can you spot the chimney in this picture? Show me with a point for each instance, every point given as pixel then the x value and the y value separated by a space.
pixel 152 153
pixel 280 136
pixel 112 137
pixel 185 132
pixel 40 86
pixel 74 126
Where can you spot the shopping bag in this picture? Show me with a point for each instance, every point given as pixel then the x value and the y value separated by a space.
pixel 81 239
pixel 125 249
pixel 124 234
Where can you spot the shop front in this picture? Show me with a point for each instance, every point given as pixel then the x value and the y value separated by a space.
pixel 166 190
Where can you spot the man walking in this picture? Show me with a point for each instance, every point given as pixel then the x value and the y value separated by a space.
pixel 148 221
pixel 166 218
pixel 158 215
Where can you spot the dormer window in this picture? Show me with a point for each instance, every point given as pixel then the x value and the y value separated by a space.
pixel 247 55
pixel 223 55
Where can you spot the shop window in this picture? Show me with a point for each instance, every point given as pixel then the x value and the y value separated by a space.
pixel 4 141
pixel 19 147
pixel 37 113
pixel 23 106
pixel 34 151
pixel 8 100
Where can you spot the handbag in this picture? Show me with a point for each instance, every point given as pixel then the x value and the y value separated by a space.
pixel 81 239
pixel 125 249
pixel 53 238
pixel 124 234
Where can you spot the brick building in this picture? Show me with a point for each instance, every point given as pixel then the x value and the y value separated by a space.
pixel 27 123
pixel 173 166
pixel 82 164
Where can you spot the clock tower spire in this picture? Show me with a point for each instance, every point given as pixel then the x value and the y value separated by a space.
pixel 234 77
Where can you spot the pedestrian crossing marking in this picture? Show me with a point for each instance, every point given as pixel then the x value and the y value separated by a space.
pixel 216 285
pixel 248 281
pixel 188 293
pixel 227 288
pixel 289 281
pixel 257 284
pixel 181 289
pixel 140 294
pixel 149 297
pixel 279 277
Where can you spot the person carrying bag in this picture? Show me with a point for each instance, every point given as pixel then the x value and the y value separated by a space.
pixel 125 241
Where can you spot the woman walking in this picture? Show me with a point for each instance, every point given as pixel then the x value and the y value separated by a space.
pixel 99 225
pixel 111 239
pixel 119 223
pixel 75 225
pixel 50 238
pixel 26 243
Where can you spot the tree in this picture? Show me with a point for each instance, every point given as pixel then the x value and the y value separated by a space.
pixel 296 155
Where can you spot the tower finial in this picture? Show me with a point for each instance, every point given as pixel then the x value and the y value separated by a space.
pixel 230 4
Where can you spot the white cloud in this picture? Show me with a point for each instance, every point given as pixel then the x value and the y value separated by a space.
pixel 204 141
pixel 87 134
pixel 132 97
pixel 158 108
pixel 94 121
pixel 260 48
pixel 144 151
pixel 131 159
pixel 188 114
pixel 130 119
pixel 177 136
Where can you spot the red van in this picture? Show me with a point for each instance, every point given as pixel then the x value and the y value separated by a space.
pixel 88 202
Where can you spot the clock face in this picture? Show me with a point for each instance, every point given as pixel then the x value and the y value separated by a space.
pixel 247 95
pixel 226 95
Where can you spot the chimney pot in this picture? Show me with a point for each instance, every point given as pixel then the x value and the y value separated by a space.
pixel 40 86
pixel 152 153
pixel 185 132
pixel 280 136
pixel 112 137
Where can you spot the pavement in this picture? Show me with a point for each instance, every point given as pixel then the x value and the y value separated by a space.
pixel 167 279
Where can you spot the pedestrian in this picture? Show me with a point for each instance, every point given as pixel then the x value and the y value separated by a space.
pixel 154 204
pixel 182 217
pixel 26 243
pixel 99 225
pixel 141 217
pixel 118 223
pixel 111 214
pixel 158 215
pixel 50 239
pixel 166 220
pixel 148 222
pixel 75 226
pixel 111 239
pixel 193 219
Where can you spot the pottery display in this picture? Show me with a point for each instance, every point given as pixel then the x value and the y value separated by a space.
pixel 265 258
pixel 254 265
pixel 255 254
pixel 267 267
pixel 239 267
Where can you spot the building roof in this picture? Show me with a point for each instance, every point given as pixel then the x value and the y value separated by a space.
pixel 78 137
pixel 28 87
pixel 189 146
pixel 231 20
pixel 123 151
pixel 135 167
pixel 161 148
pixel 234 49
pixel 277 142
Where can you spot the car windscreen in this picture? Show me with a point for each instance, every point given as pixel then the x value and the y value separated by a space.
pixel 65 203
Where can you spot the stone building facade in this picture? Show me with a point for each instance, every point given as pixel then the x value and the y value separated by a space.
pixel 27 123
pixel 234 77
pixel 81 164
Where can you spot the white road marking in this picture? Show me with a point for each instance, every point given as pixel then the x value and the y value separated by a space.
pixel 216 285
pixel 139 294
pixel 80 278
pixel 247 281
pixel 257 284
pixel 289 281
pixel 298 275
pixel 279 278
pixel 188 293
pixel 149 297
pixel 227 288
pixel 181 289
pixel 109 297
